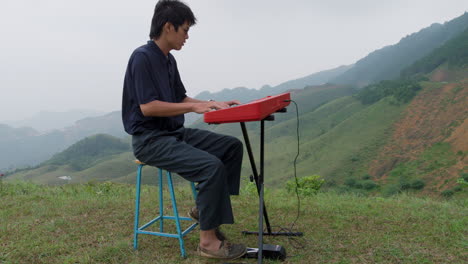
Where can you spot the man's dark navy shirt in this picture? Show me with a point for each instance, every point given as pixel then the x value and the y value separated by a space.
pixel 150 76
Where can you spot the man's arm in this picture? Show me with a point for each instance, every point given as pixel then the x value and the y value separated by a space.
pixel 160 108
pixel 224 104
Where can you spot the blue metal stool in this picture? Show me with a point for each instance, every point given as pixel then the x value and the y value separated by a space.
pixel 141 230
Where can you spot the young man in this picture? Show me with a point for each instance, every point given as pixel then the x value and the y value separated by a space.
pixel 153 107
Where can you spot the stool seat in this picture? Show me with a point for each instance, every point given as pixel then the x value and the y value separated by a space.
pixel 142 229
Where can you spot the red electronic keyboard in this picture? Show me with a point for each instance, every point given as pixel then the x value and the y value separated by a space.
pixel 253 111
pixel 258 110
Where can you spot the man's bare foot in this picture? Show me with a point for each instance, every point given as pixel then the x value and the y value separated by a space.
pixel 208 240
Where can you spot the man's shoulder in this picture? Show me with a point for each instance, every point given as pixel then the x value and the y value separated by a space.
pixel 147 53
pixel 142 49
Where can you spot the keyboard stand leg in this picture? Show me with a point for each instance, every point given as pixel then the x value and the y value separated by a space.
pixel 259 180
pixel 255 175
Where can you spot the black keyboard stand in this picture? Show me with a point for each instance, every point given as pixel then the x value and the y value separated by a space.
pixel 259 179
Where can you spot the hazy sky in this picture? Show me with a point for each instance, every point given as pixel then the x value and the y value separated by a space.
pixel 58 55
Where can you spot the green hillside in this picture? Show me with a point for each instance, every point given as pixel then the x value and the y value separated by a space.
pixel 87 152
pixel 337 139
pixel 77 160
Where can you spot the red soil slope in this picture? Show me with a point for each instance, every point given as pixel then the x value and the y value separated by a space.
pixel 439 113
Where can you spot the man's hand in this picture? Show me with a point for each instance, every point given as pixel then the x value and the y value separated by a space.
pixel 232 102
pixel 204 107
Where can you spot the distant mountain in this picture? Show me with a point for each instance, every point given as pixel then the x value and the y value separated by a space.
pixel 387 63
pixel 22 147
pixel 9 133
pixel 314 79
pixel 110 123
pixel 454 53
pixel 46 120
pixel 245 94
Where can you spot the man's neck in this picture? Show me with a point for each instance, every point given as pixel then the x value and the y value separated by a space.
pixel 162 45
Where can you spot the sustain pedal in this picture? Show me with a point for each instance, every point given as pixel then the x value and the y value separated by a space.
pixel 269 252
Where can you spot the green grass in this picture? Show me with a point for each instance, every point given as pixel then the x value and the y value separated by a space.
pixel 93 223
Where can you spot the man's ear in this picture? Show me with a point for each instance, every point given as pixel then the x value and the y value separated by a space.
pixel 168 26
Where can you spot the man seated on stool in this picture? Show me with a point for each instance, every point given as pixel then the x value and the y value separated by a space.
pixel 153 107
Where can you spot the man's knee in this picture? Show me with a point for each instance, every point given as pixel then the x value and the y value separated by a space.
pixel 235 143
pixel 214 164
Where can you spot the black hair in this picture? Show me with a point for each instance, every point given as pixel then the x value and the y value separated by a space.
pixel 172 11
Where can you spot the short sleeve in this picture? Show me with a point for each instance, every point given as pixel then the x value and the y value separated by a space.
pixel 145 84
pixel 179 86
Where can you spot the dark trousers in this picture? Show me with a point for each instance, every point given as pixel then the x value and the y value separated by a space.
pixel 212 160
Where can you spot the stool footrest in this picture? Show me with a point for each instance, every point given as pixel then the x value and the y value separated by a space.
pixel 190 228
pixel 164 217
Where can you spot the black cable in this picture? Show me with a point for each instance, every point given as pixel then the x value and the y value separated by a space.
pixel 295 170
pixel 295 241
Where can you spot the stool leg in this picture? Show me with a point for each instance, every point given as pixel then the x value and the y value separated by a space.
pixel 137 207
pixel 161 201
pixel 176 213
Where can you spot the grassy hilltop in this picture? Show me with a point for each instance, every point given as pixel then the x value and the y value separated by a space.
pixel 93 223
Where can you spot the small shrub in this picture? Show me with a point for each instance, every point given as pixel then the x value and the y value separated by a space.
pixel 250 188
pixel 330 183
pixel 369 185
pixel 448 193
pixel 358 185
pixel 366 177
pixel 404 184
pixel 350 182
pixel 307 186
pixel 417 184
pixel 464 175
pixel 391 190
pixel 462 182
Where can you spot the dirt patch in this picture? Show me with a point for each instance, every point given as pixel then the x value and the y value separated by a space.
pixel 440 75
pixel 435 115
pixel 459 139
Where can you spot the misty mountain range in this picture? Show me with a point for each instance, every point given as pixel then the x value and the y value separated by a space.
pixel 47 120
pixel 30 142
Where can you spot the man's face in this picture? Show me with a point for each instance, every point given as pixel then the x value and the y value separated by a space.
pixel 177 38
